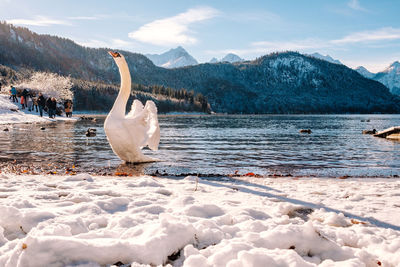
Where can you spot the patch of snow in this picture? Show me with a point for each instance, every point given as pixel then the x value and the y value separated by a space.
pixel 213 60
pixel 11 113
pixel 326 58
pixel 143 221
pixel 298 63
pixel 231 58
pixel 364 72
pixel 13 34
pixel 390 77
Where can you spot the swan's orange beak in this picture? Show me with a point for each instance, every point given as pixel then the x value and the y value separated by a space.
pixel 114 54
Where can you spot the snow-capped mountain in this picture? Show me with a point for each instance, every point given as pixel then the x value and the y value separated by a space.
pixel 390 77
pixel 213 60
pixel 173 58
pixel 231 58
pixel 327 58
pixel 364 72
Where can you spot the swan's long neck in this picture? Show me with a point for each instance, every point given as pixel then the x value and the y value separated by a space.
pixel 119 108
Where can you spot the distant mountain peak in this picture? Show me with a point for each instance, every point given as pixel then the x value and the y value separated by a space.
pixel 213 60
pixel 390 77
pixel 173 58
pixel 231 58
pixel 364 72
pixel 326 58
pixel 395 66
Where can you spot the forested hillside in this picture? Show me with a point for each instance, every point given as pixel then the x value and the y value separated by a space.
pixel 286 82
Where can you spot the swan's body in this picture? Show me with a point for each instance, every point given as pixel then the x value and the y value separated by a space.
pixel 128 134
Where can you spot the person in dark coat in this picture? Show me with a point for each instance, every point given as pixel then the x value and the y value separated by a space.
pixel 41 101
pixel 53 106
pixel 25 94
pixel 49 107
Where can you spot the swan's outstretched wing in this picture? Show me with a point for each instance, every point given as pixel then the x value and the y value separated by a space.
pixel 142 123
pixel 153 131
pixel 136 108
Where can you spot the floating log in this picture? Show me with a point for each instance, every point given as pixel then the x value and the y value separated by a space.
pixel 369 131
pixel 395 136
pixel 390 133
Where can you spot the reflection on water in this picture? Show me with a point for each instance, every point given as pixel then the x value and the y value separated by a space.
pixel 265 144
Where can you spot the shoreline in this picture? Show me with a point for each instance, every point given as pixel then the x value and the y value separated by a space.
pixel 11 114
pixel 62 220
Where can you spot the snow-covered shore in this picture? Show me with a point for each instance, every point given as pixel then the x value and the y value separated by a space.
pixel 98 221
pixel 11 113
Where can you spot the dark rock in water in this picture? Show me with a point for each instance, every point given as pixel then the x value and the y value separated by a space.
pixel 369 131
pixel 90 132
pixel 305 131
pixel 5 130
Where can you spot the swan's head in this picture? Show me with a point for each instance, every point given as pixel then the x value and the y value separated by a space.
pixel 118 58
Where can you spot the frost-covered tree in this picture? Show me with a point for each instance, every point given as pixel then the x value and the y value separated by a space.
pixel 50 84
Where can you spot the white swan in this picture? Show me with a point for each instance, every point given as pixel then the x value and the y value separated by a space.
pixel 128 134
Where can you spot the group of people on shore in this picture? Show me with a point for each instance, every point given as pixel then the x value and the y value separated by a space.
pixel 39 103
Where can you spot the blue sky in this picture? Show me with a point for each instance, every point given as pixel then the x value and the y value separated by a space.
pixel 357 32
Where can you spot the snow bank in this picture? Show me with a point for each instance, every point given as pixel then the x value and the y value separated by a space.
pixel 10 113
pixel 85 220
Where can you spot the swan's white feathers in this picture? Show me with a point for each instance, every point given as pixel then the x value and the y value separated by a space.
pixel 139 128
pixel 136 107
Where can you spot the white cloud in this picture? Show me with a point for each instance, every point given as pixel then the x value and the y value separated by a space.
pixel 38 21
pixel 93 43
pixel 354 4
pixel 83 18
pixel 370 38
pixel 173 30
pixel 113 43
pixel 383 34
pixel 290 45
pixel 118 43
pixel 265 47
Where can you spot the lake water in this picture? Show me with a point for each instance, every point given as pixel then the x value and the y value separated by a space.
pixel 262 144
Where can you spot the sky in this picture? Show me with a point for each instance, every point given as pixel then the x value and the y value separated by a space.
pixel 356 32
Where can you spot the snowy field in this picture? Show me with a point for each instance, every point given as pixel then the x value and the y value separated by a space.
pixel 136 221
pixel 8 116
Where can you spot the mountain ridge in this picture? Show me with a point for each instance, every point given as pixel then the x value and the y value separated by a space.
pixel 327 58
pixel 390 76
pixel 286 82
pixel 173 58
